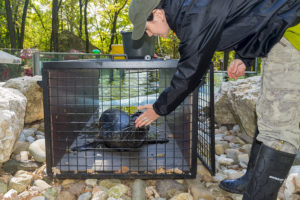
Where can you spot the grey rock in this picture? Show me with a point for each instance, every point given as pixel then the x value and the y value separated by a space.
pixel 117 191
pixel 20 181
pixel 38 198
pixel 11 195
pixel 91 182
pixel 30 139
pixel 85 196
pixel 63 195
pixel 38 151
pixel 108 183
pixel 3 187
pixel 39 133
pixel 28 86
pixel 28 132
pixel 38 137
pixel 41 184
pixel 138 190
pixel 235 103
pixel 13 166
pixel 12 112
pixel 52 193
pixel 21 146
pixel 167 187
pixel 100 195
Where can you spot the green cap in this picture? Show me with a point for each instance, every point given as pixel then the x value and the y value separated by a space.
pixel 139 11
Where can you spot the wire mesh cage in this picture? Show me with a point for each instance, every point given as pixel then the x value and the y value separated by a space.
pixel 206 123
pixel 90 109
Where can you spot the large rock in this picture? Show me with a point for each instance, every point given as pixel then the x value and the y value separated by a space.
pixel 12 112
pixel 235 103
pixel 34 94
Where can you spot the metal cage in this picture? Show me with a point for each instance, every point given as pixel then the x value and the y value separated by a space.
pixel 77 94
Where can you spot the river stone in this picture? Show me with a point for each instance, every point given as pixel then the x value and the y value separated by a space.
pixel 3 186
pixel 108 183
pixel 100 195
pixel 11 195
pixel 12 112
pixel 233 174
pixel 222 160
pixel 24 195
pixel 219 149
pixel 20 181
pixel 204 173
pixel 163 186
pixel 182 196
pixel 52 193
pixel 117 191
pixel 200 192
pixel 64 195
pixel 28 132
pixel 91 182
pixel 85 196
pixel 38 151
pixel 76 188
pixel 13 166
pixel 41 184
pixel 28 86
pixel 20 146
pixel 39 198
pixel 138 190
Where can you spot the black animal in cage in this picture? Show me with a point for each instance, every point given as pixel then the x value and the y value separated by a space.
pixel 118 129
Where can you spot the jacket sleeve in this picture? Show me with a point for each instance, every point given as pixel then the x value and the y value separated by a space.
pixel 199 35
pixel 247 61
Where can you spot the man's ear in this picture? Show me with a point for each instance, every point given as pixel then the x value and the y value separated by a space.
pixel 158 14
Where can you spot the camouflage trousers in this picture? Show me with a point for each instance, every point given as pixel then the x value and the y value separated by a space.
pixel 278 106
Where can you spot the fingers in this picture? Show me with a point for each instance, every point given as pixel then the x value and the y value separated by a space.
pixel 145 106
pixel 142 120
pixel 147 117
pixel 236 69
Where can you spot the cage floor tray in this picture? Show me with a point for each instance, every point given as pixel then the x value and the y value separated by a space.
pixel 150 157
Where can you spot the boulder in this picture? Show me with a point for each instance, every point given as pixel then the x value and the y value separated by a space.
pixel 235 103
pixel 28 86
pixel 12 112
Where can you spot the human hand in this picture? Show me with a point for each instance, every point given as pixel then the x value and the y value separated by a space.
pixel 236 68
pixel 147 117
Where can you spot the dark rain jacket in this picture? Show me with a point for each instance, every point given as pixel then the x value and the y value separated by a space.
pixel 250 27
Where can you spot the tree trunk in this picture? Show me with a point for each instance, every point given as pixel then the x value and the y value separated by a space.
pixel 55 27
pixel 114 27
pixel 21 40
pixel 86 28
pixel 80 18
pixel 113 30
pixel 10 24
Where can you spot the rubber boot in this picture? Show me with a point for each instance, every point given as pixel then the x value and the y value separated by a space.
pixel 239 185
pixel 271 168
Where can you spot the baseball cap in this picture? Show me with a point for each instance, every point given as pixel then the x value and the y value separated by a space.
pixel 139 11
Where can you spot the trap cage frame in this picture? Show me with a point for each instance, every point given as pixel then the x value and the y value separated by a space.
pixel 76 93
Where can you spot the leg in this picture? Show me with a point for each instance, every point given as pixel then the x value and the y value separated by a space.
pixel 278 112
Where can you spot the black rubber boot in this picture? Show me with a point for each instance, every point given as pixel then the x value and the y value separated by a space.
pixel 239 185
pixel 271 168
